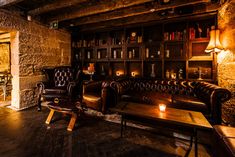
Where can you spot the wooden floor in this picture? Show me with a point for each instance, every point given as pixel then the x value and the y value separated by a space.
pixel 25 134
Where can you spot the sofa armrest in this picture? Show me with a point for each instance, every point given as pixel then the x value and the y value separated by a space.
pixel 42 85
pixel 213 96
pixel 92 87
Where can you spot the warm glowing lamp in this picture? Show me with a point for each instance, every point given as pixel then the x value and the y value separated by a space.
pixel 214 43
pixel 162 107
pixel 91 70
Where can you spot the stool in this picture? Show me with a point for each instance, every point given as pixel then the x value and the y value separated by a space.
pixel 67 107
pixel 224 144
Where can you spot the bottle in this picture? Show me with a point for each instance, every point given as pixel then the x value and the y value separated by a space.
pixel 167 53
pixel 147 52
pixel 180 74
pixel 133 53
pixel 121 54
pixel 114 54
pixel 88 55
pixel 153 71
pixel 167 74
pixel 98 56
pixel 130 54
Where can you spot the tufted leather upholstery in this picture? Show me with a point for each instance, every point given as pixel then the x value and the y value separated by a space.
pixel 61 83
pixel 190 95
pixel 97 94
pixel 224 141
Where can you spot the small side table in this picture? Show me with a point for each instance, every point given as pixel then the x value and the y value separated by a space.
pixel 66 107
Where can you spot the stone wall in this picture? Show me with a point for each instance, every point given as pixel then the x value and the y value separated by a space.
pixel 4 57
pixel 32 47
pixel 226 62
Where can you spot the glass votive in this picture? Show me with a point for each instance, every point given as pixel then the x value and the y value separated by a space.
pixel 162 107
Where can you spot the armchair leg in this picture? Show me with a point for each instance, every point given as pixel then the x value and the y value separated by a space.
pixel 39 103
pixel 72 122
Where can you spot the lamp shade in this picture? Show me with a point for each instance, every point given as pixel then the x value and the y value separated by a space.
pixel 214 43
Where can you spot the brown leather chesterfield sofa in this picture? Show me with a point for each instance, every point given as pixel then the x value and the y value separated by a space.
pixel 224 141
pixel 189 95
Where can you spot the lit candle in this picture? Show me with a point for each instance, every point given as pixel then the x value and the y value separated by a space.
pixel 162 107
pixel 118 73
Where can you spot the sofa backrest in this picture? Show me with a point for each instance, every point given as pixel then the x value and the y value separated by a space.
pixel 164 86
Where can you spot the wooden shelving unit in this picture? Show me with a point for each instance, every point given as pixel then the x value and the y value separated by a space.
pixel 168 50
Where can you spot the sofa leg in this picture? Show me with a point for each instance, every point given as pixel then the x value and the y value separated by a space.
pixel 39 104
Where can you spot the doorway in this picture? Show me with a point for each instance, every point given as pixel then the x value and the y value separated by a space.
pixel 5 69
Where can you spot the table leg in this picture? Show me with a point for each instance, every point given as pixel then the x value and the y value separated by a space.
pixel 121 125
pixel 195 141
pixel 72 122
pixel 49 117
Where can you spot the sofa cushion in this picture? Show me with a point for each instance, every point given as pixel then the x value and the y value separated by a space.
pixel 188 103
pixel 92 100
pixel 149 97
pixel 225 135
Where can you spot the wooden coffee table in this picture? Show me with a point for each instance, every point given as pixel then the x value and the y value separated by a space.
pixel 188 120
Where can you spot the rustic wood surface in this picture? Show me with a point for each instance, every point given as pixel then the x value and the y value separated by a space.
pixel 171 115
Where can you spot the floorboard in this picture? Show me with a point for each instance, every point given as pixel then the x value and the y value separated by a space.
pixel 25 134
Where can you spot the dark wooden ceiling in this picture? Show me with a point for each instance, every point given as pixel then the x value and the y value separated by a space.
pixel 98 14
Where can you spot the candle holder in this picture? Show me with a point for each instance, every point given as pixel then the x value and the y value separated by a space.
pixel 162 107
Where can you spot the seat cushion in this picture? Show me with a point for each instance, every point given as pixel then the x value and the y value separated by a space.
pixel 55 91
pixel 92 101
pixel 226 135
pixel 149 97
pixel 189 103
pixel 67 106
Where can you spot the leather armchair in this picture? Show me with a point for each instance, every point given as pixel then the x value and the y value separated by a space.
pixel 62 83
pixel 97 94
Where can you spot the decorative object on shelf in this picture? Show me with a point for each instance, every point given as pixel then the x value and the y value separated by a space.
pixel 199 31
pixel 158 52
pixel 119 72
pixel 102 71
pixel 114 54
pixel 88 55
pixel 91 70
pixel 133 37
pixel 180 74
pixel 214 43
pixel 173 75
pixel 98 54
pixel 121 54
pixel 139 39
pixel 199 73
pixel 133 74
pixel 167 74
pixel 147 52
pixel 162 107
pixel 153 70
pixel 130 54
pixel 133 53
pixel 167 53
pixel 191 33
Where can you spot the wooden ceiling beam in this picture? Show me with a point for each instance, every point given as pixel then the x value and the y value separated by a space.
pixel 55 6
pixel 4 3
pixel 142 19
pixel 100 7
pixel 131 11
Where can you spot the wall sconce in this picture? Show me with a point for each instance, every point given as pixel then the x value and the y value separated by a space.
pixel 214 43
